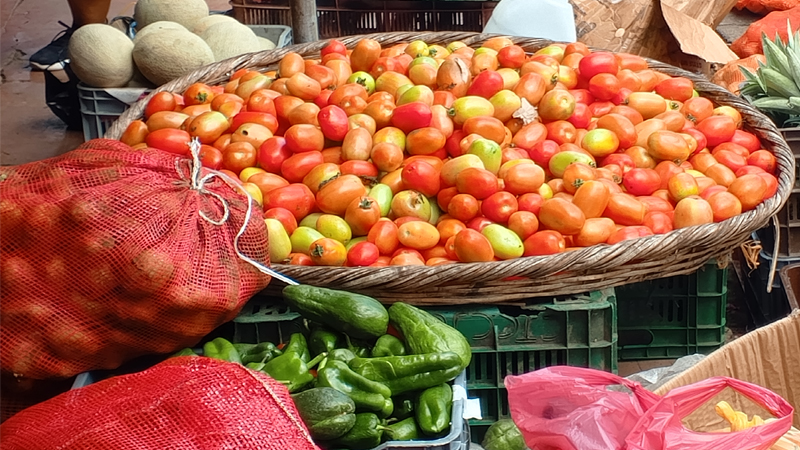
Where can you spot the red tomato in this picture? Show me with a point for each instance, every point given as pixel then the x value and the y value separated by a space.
pixel 303 138
pixel 421 176
pixel 597 62
pixel 210 157
pixel 160 101
pixel 486 84
pixel 333 122
pixel 472 246
pixel 480 183
pixel 384 235
pixel 545 242
pixel 336 195
pixel 463 207
pixel 747 140
pixel 640 181
pixel 675 88
pixel 412 116
pixel 763 159
pixel 629 232
pixel 659 222
pixel 362 254
pixel 604 86
pixel 261 118
pixel 297 166
pixel 296 197
pixel 717 129
pixel 272 153
pixel 284 216
pixel 170 140
pixel 499 206
pixel 361 214
pixel 334 46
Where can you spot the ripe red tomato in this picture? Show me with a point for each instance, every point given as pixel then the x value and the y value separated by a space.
pixel 296 197
pixel 629 232
pixel 384 235
pixel 717 128
pixel 472 246
pixel 486 84
pixel 421 176
pixel 641 181
pixel 160 101
pixel 412 116
pixel 361 214
pixel 362 254
pixel 499 206
pixel 597 62
pixel 333 122
pixel 170 140
pixel 297 166
pixel 545 242
pixel 480 183
pixel 675 88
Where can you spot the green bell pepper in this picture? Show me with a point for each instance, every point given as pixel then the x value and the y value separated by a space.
pixel 411 372
pixel 433 409
pixel 291 370
pixel 503 435
pixel 327 413
pixel 405 430
pixel 185 352
pixel 298 344
pixel 257 353
pixel 344 355
pixel 223 349
pixel 366 433
pixel 366 394
pixel 388 345
pixel 324 340
pixel 403 406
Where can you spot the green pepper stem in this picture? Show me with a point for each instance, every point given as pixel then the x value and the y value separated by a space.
pixel 317 360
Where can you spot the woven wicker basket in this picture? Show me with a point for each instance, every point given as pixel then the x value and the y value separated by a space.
pixel 675 253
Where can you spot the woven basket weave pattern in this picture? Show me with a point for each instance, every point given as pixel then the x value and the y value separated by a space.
pixel 675 253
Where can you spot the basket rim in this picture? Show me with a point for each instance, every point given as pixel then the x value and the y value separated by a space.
pixel 704 241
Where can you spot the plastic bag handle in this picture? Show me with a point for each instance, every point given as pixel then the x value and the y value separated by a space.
pixel 594 377
pixel 661 427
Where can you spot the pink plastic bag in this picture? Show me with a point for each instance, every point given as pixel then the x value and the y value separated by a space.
pixel 569 408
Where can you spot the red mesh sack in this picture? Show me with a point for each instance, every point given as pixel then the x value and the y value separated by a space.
pixel 775 22
pixel 108 253
pixel 183 403
pixel 766 6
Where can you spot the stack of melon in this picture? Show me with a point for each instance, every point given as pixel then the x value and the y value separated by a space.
pixel 173 38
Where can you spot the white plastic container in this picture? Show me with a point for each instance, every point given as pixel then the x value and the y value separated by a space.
pixel 547 19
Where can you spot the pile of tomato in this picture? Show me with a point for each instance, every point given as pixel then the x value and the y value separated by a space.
pixel 425 154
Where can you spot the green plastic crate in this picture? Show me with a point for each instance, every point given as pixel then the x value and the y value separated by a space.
pixel 506 340
pixel 674 316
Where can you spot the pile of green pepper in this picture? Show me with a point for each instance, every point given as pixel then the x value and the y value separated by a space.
pixel 356 393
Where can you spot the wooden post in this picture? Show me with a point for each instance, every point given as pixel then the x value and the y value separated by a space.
pixel 304 20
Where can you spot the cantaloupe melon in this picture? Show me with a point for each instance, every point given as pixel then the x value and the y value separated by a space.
pixel 212 19
pixel 185 12
pixel 266 44
pixel 230 39
pixel 170 54
pixel 100 56
pixel 157 26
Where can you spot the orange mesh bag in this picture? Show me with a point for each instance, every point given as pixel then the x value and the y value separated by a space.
pixel 730 76
pixel 184 403
pixel 766 6
pixel 108 253
pixel 775 22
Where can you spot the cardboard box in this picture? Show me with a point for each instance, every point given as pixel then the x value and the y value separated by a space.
pixel 677 32
pixel 768 357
